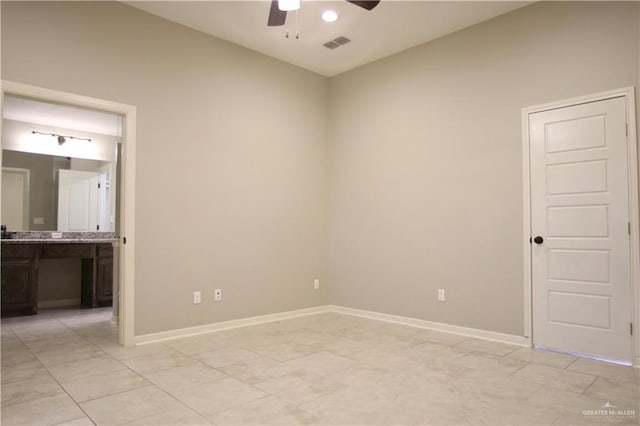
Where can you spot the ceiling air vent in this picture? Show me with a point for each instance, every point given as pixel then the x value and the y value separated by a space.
pixel 331 45
pixel 336 42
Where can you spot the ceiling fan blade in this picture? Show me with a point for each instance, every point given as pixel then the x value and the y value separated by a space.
pixel 276 16
pixel 365 4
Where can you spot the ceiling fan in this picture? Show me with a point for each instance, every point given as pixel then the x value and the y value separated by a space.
pixel 277 17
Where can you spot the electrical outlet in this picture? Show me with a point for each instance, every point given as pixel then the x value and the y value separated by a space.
pixel 196 297
pixel 316 284
pixel 217 294
pixel 441 297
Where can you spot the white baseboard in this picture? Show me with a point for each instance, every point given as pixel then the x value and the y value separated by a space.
pixel 437 326
pixel 226 325
pixel 59 303
pixel 396 319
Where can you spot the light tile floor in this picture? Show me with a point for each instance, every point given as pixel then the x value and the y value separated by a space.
pixel 65 367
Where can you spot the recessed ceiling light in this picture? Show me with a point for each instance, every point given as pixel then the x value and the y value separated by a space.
pixel 329 16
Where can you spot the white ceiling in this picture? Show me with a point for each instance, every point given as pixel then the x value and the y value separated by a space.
pixel 67 117
pixel 392 26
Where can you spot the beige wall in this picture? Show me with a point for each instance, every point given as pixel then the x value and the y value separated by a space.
pixel 60 280
pixel 425 177
pixel 230 155
pixel 417 163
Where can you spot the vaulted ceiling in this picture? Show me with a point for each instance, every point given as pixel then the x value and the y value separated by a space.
pixel 390 27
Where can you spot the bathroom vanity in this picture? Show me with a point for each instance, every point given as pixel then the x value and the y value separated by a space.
pixel 21 255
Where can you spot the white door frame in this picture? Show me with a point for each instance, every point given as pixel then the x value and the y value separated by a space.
pixel 632 164
pixel 126 186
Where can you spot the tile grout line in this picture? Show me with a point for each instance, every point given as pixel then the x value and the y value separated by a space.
pixel 56 380
pixel 402 351
pixel 126 367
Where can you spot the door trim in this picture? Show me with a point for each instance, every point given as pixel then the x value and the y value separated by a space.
pixel 26 204
pixel 628 93
pixel 127 186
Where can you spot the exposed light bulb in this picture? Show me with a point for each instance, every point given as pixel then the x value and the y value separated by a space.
pixel 329 16
pixel 288 5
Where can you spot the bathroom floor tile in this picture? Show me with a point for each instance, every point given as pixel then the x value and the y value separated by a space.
pixel 324 369
pixel 129 406
pixel 36 387
pixel 23 371
pixel 485 364
pixel 226 393
pixel 322 363
pixel 69 371
pixel 625 395
pixel 620 373
pixel 283 351
pixel 556 378
pixel 51 410
pixel 82 421
pixel 157 362
pixel 538 356
pixel 177 416
pixel 61 355
pixel 260 369
pixel 185 376
pixel 264 411
pixel 17 354
pixel 485 346
pixel 225 356
pixel 101 385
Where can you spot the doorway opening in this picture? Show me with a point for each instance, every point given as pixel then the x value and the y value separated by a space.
pixel 109 163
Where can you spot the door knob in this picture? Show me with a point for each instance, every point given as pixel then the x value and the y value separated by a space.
pixel 538 240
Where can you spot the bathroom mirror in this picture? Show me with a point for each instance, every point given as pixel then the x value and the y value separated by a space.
pixel 58 167
pixel 51 193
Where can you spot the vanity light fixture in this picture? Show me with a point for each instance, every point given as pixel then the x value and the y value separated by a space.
pixel 329 16
pixel 61 139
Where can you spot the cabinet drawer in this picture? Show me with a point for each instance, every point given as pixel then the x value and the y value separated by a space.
pixel 16 251
pixel 105 250
pixel 67 250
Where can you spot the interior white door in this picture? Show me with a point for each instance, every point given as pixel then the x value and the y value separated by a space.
pixel 77 201
pixel 580 210
pixel 15 198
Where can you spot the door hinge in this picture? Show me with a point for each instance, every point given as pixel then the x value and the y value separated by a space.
pixel 124 240
pixel 97 227
pixel 631 328
pixel 98 185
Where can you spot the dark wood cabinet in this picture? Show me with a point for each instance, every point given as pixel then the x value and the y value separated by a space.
pixel 104 284
pixel 97 277
pixel 19 289
pixel 20 273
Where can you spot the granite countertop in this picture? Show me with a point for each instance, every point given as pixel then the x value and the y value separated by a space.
pixel 59 240
pixel 46 237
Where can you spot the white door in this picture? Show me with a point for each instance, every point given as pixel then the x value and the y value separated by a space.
pixel 77 201
pixel 15 199
pixel 580 209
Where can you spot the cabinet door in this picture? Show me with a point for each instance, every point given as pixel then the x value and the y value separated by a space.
pixel 104 286
pixel 19 292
